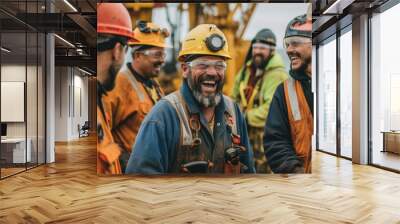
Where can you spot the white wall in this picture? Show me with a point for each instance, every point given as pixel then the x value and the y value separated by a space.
pixel 80 110
pixel 71 94
pixel 33 127
pixel 16 73
pixel 11 73
pixel 61 103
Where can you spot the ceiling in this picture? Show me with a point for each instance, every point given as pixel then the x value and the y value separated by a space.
pixel 22 23
pixel 331 15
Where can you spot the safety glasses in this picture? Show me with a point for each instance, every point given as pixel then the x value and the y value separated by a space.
pixel 261 46
pixel 219 66
pixel 295 41
pixel 154 53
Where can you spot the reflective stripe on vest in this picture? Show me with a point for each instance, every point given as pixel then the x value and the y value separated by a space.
pixel 178 103
pixel 125 70
pixel 294 103
pixel 231 109
pixel 300 121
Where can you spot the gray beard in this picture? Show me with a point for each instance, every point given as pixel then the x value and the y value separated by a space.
pixel 205 101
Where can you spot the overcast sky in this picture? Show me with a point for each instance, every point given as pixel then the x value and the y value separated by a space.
pixel 274 16
pixel 267 15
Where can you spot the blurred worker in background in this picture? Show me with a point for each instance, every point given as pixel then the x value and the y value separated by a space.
pixel 195 129
pixel 114 30
pixel 254 88
pixel 136 90
pixel 289 127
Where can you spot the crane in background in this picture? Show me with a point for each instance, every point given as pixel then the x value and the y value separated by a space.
pixel 225 17
pixel 231 18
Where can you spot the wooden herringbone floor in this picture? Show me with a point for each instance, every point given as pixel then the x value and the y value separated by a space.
pixel 69 191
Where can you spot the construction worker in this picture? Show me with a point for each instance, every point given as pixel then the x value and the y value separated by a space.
pixel 136 90
pixel 254 88
pixel 114 30
pixel 195 129
pixel 289 127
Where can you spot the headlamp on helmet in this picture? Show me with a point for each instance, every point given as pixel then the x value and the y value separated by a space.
pixel 204 39
pixel 145 28
pixel 215 42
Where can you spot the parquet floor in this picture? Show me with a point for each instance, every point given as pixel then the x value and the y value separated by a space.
pixel 387 159
pixel 9 171
pixel 69 191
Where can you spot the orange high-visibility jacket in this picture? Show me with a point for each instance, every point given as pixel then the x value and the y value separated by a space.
pixel 300 120
pixel 127 104
pixel 108 152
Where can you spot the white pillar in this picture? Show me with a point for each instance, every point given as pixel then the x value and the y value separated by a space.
pixel 50 92
pixel 314 90
pixel 50 99
pixel 360 90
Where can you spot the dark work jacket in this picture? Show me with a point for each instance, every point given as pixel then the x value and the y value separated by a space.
pixel 278 144
pixel 155 149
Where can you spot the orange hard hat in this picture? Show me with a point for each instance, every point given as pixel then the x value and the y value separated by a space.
pixel 114 18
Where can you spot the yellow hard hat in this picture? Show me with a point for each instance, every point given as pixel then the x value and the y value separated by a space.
pixel 150 34
pixel 204 39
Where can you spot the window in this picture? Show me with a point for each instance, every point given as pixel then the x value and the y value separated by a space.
pixel 22 77
pixel 385 89
pixel 346 93
pixel 327 96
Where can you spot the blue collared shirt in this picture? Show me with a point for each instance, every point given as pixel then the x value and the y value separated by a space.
pixel 155 149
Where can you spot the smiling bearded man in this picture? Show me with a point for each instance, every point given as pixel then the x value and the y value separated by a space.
pixel 136 89
pixel 207 89
pixel 289 126
pixel 196 129
pixel 254 88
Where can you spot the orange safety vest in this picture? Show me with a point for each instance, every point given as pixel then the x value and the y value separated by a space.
pixel 300 120
pixel 107 151
pixel 128 104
